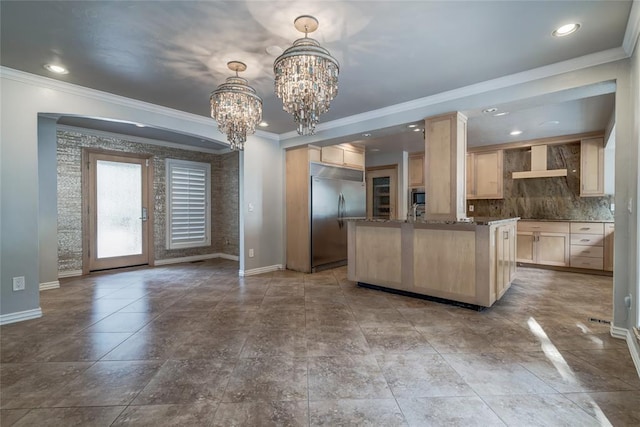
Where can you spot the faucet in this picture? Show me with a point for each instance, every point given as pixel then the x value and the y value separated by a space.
pixel 414 212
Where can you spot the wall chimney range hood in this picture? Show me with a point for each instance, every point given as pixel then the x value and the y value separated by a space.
pixel 539 165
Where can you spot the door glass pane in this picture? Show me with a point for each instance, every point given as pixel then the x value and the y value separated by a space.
pixel 381 197
pixel 119 208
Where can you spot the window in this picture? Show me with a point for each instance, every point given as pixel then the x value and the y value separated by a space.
pixel 188 204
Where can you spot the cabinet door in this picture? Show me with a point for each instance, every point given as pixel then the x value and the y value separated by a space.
pixel 592 167
pixel 513 251
pixel 354 158
pixel 552 249
pixel 488 175
pixel 416 170
pixel 505 257
pixel 608 247
pixel 526 247
pixel 470 181
pixel 333 154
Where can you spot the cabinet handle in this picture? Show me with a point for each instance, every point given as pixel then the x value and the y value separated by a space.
pixel 535 227
pixel 585 240
pixel 585 228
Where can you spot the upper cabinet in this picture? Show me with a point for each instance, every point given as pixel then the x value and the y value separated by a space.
pixel 343 155
pixel 416 170
pixel 592 167
pixel 484 175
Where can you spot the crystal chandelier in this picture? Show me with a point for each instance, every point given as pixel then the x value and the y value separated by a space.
pixel 306 77
pixel 236 107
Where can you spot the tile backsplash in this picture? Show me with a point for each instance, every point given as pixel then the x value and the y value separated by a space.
pixel 544 198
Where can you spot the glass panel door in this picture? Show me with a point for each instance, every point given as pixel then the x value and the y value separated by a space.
pixel 117 211
pixel 381 197
pixel 381 192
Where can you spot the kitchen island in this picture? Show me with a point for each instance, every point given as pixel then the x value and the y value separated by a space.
pixel 467 262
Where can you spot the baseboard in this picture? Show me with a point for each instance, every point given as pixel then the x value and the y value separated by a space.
pixel 620 333
pixel 632 343
pixel 49 285
pixel 195 258
pixel 20 316
pixel 229 257
pixel 260 270
pixel 69 273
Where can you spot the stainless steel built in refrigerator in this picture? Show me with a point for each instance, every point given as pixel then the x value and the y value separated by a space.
pixel 336 194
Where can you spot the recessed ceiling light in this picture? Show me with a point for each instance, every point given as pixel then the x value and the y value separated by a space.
pixel 490 110
pixel 58 69
pixel 412 126
pixel 140 125
pixel 263 124
pixel 503 113
pixel 366 135
pixel 549 123
pixel 566 29
pixel 515 132
pixel 417 130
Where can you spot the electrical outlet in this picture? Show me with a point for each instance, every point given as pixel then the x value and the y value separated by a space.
pixel 250 253
pixel 470 208
pixel 613 207
pixel 18 283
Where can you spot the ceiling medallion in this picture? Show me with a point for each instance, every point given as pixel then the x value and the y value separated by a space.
pixel 306 77
pixel 236 107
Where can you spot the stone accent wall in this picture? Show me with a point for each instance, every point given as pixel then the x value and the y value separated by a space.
pixel 224 196
pixel 544 198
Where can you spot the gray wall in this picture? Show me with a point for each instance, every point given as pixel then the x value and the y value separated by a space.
pixel 224 196
pixel 48 226
pixel 544 198
pixel 634 285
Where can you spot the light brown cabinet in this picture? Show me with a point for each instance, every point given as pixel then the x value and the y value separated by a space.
pixel 343 156
pixel 592 167
pixel 506 249
pixel 484 175
pixel 587 241
pixel 545 243
pixel 416 170
pixel 608 247
pixel 445 148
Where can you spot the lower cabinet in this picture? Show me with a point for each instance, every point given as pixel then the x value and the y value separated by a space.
pixel 587 245
pixel 545 243
pixel 608 247
pixel 505 257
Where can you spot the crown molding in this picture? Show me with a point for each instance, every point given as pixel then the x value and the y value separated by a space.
pixel 575 64
pixel 633 29
pixel 140 140
pixel 73 89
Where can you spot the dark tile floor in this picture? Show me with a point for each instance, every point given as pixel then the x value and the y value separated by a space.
pixel 193 344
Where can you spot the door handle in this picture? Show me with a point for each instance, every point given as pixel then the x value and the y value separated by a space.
pixel 144 214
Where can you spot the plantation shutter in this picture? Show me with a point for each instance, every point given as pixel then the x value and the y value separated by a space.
pixel 188 196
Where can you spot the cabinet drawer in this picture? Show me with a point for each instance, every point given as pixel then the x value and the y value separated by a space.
pixel 587 228
pixel 584 262
pixel 587 239
pixel 548 227
pixel 587 251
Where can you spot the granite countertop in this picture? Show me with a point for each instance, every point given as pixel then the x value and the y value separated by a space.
pixel 567 220
pixel 470 220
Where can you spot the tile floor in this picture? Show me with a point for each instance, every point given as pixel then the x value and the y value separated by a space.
pixel 193 344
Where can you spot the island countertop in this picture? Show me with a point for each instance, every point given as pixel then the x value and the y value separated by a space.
pixel 467 221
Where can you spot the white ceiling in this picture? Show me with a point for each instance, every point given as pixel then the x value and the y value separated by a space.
pixel 174 53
